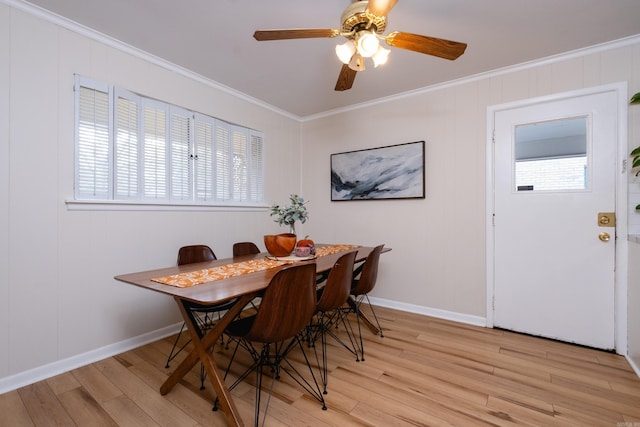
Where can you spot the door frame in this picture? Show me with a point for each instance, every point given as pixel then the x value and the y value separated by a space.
pixel 621 244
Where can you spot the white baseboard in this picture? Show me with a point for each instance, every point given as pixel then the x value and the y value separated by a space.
pixel 633 364
pixel 49 370
pixel 433 312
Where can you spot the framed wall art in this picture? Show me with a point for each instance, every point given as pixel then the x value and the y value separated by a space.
pixel 391 172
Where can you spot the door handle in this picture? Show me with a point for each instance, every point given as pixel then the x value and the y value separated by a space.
pixel 604 237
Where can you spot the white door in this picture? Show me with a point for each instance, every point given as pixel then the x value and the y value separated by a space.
pixel 554 259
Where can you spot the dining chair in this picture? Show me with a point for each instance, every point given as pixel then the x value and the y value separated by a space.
pixel 202 313
pixel 331 297
pixel 274 331
pixel 364 280
pixel 195 253
pixel 245 248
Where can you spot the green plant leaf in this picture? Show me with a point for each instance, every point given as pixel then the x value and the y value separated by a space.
pixel 635 99
pixel 288 215
pixel 635 152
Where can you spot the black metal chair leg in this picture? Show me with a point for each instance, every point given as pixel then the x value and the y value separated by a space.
pixel 374 316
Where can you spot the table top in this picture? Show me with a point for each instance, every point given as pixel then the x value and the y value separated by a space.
pixel 225 289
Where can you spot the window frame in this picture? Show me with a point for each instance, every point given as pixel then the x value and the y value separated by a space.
pixel 180 179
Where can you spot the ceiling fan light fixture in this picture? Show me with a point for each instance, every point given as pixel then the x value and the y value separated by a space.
pixel 367 43
pixel 380 57
pixel 357 63
pixel 345 51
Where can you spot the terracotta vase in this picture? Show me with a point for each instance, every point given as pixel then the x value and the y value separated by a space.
pixel 280 245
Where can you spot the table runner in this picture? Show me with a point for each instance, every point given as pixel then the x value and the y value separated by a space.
pixel 185 280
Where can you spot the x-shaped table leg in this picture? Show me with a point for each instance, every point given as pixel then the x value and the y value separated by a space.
pixel 201 353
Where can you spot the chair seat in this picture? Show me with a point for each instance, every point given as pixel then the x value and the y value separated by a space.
pixel 210 308
pixel 241 326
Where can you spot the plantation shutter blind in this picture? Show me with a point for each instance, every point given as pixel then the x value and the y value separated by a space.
pixel 93 164
pixel 154 157
pixel 181 159
pixel 204 165
pixel 223 161
pixel 239 175
pixel 126 156
pixel 256 173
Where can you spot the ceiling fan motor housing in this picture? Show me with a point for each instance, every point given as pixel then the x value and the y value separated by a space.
pixel 355 18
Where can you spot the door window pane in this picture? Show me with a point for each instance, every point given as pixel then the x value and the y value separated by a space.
pixel 551 155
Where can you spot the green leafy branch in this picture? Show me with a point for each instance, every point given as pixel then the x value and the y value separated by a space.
pixel 288 215
pixel 635 154
pixel 636 159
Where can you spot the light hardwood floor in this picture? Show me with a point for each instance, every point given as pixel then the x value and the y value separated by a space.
pixel 424 372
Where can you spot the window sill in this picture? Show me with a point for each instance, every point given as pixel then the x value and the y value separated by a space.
pixel 121 205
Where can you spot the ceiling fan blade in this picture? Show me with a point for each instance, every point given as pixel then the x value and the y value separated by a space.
pixel 380 7
pixel 442 48
pixel 309 33
pixel 346 78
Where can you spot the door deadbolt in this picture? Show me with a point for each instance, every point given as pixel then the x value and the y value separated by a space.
pixel 607 219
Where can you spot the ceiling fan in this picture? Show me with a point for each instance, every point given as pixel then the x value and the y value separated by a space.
pixel 363 23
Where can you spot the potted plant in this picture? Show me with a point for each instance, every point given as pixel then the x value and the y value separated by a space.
pixel 635 154
pixel 281 245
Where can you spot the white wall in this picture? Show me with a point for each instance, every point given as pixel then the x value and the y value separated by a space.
pixel 5 84
pixel 438 259
pixel 58 298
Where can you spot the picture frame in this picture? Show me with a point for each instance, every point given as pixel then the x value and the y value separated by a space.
pixel 382 173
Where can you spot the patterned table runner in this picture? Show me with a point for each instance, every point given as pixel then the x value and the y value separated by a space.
pixel 185 280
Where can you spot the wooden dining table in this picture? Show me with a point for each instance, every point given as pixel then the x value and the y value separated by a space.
pixel 242 288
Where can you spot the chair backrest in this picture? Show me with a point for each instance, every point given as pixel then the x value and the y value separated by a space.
pixel 195 253
pixel 287 305
pixel 336 290
pixel 245 248
pixel 369 273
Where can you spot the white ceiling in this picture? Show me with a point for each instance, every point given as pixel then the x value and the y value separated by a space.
pixel 214 39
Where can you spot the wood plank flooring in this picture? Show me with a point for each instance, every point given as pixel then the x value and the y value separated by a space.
pixel 424 372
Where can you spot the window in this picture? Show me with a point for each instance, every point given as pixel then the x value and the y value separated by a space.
pixel 551 155
pixel 139 150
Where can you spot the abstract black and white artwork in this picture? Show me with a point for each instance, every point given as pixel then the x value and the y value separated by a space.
pixel 392 172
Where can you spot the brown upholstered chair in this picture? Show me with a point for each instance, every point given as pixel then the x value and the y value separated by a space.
pixel 365 277
pixel 245 248
pixel 286 309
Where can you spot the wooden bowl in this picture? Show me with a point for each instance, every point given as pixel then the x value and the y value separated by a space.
pixel 280 244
